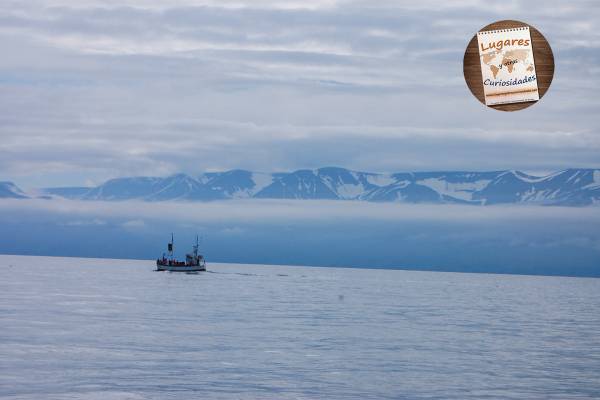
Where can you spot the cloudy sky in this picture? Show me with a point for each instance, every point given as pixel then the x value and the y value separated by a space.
pixel 94 89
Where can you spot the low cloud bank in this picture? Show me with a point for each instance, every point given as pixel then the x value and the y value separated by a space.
pixel 273 211
pixel 506 239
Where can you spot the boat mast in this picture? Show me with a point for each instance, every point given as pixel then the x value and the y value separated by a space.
pixel 170 247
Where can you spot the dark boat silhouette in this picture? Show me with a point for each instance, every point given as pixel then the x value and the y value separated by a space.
pixel 193 261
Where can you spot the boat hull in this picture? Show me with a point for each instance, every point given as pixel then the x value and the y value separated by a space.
pixel 184 268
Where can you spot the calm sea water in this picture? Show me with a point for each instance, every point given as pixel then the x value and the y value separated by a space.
pixel 75 328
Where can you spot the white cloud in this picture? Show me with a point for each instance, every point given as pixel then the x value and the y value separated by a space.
pixel 90 222
pixel 133 224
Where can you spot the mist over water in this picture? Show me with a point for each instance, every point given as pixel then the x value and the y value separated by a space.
pixel 511 239
pixel 114 329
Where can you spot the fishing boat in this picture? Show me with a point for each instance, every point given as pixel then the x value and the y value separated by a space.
pixel 194 262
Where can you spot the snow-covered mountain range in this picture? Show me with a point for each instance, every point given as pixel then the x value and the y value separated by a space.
pixel 571 187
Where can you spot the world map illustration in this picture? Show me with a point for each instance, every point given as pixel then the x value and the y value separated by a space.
pixel 509 59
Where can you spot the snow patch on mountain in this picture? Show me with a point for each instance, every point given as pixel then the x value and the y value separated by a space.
pixel 349 191
pixel 380 180
pixel 595 181
pixel 525 177
pixel 261 181
pixel 462 191
pixel 9 190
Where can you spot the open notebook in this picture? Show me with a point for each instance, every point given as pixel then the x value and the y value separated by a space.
pixel 507 66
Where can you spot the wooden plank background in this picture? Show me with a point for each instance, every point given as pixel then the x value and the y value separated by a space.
pixel 542 55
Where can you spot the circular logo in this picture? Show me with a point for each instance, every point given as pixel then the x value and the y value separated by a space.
pixel 508 65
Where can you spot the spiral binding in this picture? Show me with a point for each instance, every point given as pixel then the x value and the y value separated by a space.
pixel 522 28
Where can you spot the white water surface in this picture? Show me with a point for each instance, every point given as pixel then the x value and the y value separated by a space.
pixel 74 328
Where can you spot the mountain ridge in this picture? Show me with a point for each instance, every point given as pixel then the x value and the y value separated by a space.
pixel 569 187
